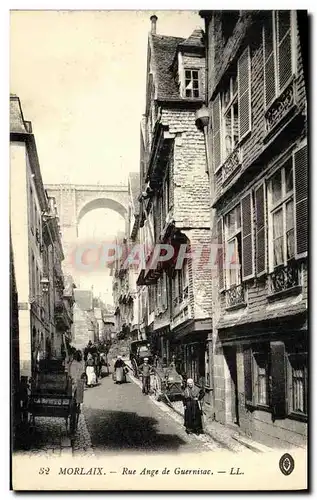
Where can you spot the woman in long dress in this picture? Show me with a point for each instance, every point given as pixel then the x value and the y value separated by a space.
pixel 192 408
pixel 119 368
pixel 77 369
pixel 90 370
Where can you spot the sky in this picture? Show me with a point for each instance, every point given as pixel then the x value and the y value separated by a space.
pixel 80 76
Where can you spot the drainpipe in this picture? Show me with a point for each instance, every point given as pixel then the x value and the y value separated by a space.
pixel 202 123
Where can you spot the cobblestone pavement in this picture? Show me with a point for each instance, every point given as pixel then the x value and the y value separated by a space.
pixel 46 438
pixel 216 434
pixel 120 418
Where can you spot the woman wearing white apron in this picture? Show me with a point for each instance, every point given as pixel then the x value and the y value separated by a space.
pixel 90 371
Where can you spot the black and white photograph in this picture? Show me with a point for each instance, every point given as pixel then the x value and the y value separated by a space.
pixel 159 249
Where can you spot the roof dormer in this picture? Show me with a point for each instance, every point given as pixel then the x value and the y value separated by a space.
pixel 191 66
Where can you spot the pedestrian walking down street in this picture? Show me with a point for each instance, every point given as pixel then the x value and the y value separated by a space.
pixel 76 371
pixel 192 408
pixel 90 371
pixel 146 371
pixel 120 371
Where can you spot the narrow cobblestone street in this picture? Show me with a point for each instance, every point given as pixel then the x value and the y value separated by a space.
pixel 120 418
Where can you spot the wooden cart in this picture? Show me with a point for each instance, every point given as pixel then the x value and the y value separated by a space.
pixel 51 396
pixel 166 383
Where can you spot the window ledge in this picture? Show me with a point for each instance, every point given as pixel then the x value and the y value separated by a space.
pixel 289 292
pixel 298 416
pixel 257 407
pixel 236 306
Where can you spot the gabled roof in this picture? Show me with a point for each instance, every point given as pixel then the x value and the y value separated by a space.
pixel 134 185
pixel 163 52
pixel 17 124
pixel 196 39
pixel 84 299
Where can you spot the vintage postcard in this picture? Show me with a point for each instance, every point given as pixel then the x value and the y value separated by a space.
pixel 158 250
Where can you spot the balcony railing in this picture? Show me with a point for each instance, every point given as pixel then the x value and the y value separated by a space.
pixel 235 296
pixel 284 278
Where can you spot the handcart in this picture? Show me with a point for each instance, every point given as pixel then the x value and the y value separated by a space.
pixel 52 395
pixel 166 383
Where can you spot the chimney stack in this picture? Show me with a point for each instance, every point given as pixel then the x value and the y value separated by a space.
pixel 153 20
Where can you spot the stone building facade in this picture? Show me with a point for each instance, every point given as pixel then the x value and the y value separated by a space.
pixel 36 248
pixel 175 304
pixel 257 145
pixel 85 325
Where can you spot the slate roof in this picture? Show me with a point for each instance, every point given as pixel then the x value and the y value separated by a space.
pixel 134 183
pixel 17 124
pixel 164 51
pixel 196 39
pixel 84 299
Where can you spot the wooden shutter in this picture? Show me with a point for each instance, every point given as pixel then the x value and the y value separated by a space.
pixel 220 254
pixel 301 200
pixel 269 59
pixel 244 93
pixel 284 47
pixel 247 237
pixel 247 355
pixel 216 132
pixel 278 380
pixel 260 236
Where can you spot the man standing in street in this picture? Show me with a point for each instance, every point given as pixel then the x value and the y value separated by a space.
pixel 145 370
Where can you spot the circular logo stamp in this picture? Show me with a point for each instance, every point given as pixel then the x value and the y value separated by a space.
pixel 286 464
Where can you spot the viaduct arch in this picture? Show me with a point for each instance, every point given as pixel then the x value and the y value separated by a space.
pixel 73 201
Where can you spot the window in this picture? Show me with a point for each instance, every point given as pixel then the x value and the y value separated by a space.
pixel 162 291
pixel 278 53
pixel 298 383
pixel 31 209
pixel 195 362
pixel 33 275
pixel 229 105
pixel 233 247
pixel 281 224
pixel 181 284
pixel 231 111
pixel 260 375
pixel 276 378
pixel 192 83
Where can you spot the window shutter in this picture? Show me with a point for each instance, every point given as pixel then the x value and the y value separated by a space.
pixel 260 229
pixel 301 195
pixel 247 355
pixel 247 237
pixel 278 378
pixel 216 132
pixel 284 43
pixel 244 93
pixel 220 254
pixel 269 60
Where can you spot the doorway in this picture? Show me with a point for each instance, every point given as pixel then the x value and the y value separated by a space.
pixel 231 359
